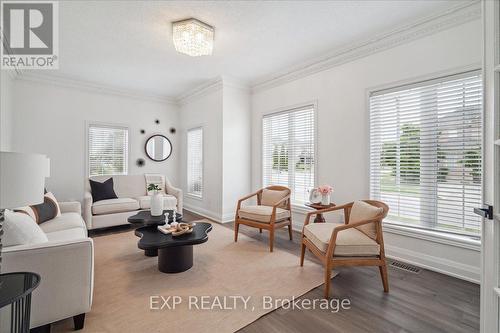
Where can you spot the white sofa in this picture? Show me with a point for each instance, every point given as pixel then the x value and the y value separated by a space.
pixel 132 196
pixel 65 264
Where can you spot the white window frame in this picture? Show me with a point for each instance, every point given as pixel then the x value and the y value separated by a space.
pixel 438 236
pixel 299 206
pixel 190 194
pixel 89 124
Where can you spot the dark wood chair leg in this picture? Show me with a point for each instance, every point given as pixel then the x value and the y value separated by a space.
pixel 328 277
pixel 290 231
pixel 383 275
pixel 271 239
pixel 260 230
pixel 41 329
pixel 79 321
pixel 236 228
pixel 302 254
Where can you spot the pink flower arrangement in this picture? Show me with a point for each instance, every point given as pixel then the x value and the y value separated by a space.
pixel 325 189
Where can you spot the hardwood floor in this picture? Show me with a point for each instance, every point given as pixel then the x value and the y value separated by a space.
pixel 417 302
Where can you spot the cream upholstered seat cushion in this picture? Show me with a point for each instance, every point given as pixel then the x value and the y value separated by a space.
pixel 350 242
pixel 67 235
pixel 118 205
pixel 63 222
pixel 169 201
pixel 272 197
pixel 262 213
pixel 364 211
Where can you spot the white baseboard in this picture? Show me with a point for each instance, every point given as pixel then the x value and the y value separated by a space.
pixel 203 212
pixel 440 265
pixel 228 217
pixel 217 217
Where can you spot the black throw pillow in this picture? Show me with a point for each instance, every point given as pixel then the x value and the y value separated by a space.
pixel 102 191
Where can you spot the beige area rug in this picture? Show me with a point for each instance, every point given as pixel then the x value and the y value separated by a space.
pixel 125 279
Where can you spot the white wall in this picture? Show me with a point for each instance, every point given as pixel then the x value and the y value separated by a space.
pixel 52 120
pixel 236 148
pixel 204 111
pixel 343 122
pixel 6 110
pixel 223 111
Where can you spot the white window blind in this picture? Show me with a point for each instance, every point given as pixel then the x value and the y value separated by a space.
pixel 425 153
pixel 107 150
pixel 195 161
pixel 288 151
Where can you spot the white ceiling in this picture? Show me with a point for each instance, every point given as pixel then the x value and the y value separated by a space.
pixel 127 44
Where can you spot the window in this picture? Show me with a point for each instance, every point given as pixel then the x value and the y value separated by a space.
pixel 195 161
pixel 425 153
pixel 107 150
pixel 288 151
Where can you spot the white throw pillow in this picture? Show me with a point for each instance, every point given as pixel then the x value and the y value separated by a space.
pixel 21 229
pixel 157 179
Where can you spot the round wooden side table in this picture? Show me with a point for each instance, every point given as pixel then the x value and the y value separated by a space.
pixel 319 217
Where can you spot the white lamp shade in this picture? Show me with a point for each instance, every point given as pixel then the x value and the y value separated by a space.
pixel 22 179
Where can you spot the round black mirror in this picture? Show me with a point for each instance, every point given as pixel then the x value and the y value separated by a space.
pixel 158 148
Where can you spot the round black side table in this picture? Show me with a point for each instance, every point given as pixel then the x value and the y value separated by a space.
pixel 15 300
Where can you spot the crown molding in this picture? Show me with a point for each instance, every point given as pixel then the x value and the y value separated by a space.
pixel 210 86
pixel 69 82
pixel 203 89
pixel 231 82
pixel 424 27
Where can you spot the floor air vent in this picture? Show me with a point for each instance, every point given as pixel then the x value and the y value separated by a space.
pixel 405 267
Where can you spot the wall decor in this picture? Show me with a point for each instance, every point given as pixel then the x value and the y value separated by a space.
pixel 140 162
pixel 172 130
pixel 158 148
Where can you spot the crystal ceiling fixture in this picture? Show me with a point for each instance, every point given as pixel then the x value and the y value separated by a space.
pixel 193 37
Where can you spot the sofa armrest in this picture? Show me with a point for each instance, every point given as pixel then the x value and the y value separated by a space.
pixel 70 207
pixel 67 276
pixel 176 192
pixel 87 209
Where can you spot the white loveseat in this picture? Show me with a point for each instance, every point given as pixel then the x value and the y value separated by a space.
pixel 65 264
pixel 132 196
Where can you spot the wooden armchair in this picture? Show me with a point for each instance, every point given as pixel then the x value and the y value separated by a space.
pixel 357 242
pixel 271 212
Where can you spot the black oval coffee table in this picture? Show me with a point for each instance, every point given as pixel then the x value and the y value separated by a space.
pixel 175 254
pixel 145 217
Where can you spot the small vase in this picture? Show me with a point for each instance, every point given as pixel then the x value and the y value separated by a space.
pixel 325 199
pixel 156 204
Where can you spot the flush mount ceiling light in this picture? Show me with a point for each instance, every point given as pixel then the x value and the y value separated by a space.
pixel 193 37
